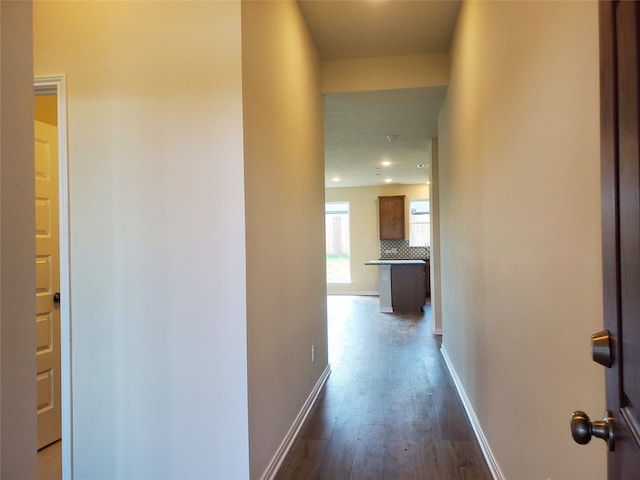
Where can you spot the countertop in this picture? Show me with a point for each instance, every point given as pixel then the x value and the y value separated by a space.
pixel 395 262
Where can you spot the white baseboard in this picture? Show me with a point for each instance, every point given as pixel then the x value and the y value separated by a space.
pixel 275 463
pixel 475 423
pixel 368 293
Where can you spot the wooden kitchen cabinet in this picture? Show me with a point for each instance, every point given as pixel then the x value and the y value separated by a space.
pixel 407 287
pixel 427 278
pixel 402 284
pixel 391 211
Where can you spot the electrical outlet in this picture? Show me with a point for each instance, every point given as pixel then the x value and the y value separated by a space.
pixel 313 353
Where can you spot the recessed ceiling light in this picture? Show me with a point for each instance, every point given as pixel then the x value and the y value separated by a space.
pixel 386 163
pixel 388 180
pixel 336 179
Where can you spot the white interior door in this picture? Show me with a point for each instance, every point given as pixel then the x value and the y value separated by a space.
pixel 47 284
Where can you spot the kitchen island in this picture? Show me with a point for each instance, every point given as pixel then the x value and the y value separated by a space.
pixel 401 284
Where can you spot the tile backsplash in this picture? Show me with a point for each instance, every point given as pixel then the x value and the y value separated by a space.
pixel 401 249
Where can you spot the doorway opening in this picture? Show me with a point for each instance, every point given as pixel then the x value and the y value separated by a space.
pixel 52 90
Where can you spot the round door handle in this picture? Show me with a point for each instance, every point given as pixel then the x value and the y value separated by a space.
pixel 582 428
pixel 56 297
pixel 601 351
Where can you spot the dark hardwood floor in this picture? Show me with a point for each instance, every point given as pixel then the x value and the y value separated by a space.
pixel 389 409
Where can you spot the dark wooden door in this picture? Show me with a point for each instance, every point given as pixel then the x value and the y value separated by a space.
pixel 619 52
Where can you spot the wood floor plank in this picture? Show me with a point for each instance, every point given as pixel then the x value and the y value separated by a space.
pixel 320 425
pixel 305 461
pixel 459 460
pixel 368 461
pixel 409 404
pixel 389 409
pixel 449 411
pixel 408 441
pixel 338 457
pixel 355 402
pixel 437 372
pixel 376 409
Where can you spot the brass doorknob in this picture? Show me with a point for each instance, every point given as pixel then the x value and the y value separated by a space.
pixel 582 429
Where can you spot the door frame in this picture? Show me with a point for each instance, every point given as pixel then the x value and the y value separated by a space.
pixel 56 84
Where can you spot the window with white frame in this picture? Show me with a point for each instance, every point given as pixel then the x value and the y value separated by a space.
pixel 419 223
pixel 337 242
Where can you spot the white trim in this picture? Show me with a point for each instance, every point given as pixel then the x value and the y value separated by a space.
pixel 276 462
pixel 372 293
pixel 56 84
pixel 475 423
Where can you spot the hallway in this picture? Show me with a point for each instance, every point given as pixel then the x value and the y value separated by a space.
pixel 389 409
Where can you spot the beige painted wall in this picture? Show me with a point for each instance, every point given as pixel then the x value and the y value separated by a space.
pixel 365 230
pixel 157 237
pixel 385 73
pixel 284 175
pixel 17 245
pixel 520 230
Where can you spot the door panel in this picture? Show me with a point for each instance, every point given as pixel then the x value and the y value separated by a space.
pixel 47 284
pixel 621 227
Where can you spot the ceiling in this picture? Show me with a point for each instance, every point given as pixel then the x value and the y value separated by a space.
pixel 357 124
pixel 356 129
